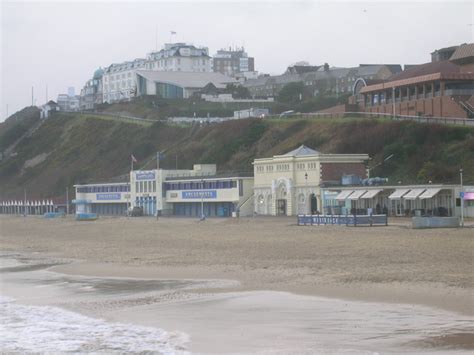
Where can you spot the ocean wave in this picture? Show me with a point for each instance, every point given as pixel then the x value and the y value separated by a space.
pixel 50 329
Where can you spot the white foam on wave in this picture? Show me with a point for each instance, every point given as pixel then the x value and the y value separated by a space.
pixel 45 328
pixel 8 263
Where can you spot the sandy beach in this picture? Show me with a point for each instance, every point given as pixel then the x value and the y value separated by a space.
pixel 252 264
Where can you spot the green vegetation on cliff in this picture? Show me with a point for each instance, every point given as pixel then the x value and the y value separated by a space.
pixel 68 149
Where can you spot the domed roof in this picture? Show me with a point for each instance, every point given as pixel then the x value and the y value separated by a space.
pixel 98 73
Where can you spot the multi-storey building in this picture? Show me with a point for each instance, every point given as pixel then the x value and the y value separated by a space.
pixel 91 93
pixel 68 103
pixel 180 57
pixel 323 80
pixel 232 62
pixel 442 88
pixel 195 192
pixel 118 80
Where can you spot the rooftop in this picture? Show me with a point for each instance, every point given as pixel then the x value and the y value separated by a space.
pixel 187 79
pixel 464 54
pixel 302 151
pixel 442 67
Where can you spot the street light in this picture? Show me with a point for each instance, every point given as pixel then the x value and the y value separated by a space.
pixel 203 217
pixel 393 101
pixel 306 190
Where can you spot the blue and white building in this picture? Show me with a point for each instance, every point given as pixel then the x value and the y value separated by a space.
pixel 172 192
pixel 104 199
pixel 213 196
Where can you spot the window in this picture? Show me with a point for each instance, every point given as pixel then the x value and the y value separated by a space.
pixel 154 186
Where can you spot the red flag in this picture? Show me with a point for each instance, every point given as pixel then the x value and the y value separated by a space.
pixel 133 159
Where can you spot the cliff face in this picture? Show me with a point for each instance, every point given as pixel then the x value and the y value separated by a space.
pixel 67 149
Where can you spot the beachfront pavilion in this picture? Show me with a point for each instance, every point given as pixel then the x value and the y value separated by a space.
pixel 289 184
pixel 398 200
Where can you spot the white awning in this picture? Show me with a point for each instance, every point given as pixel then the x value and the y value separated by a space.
pixel 343 195
pixel 371 194
pixel 398 193
pixel 413 194
pixel 357 194
pixel 429 193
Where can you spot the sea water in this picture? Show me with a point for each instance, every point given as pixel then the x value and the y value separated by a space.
pixel 27 328
pixel 39 316
pixel 43 328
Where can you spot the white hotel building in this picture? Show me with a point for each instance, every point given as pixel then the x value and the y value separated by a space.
pixel 119 83
pixel 180 57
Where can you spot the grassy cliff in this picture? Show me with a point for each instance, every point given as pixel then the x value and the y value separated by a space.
pixel 68 149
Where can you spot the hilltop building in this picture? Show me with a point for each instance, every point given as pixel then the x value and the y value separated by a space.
pixel 441 88
pixel 91 93
pixel 48 108
pixel 324 79
pixel 118 81
pixel 173 85
pixel 180 57
pixel 68 103
pixel 290 184
pixel 233 62
pixel 442 54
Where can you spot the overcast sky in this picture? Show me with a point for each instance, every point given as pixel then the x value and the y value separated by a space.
pixel 60 44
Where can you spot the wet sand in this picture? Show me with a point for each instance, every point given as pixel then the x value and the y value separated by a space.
pixel 392 264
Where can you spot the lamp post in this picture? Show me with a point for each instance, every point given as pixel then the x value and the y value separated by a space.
pixel 393 101
pixel 202 200
pixel 306 191
pixel 462 199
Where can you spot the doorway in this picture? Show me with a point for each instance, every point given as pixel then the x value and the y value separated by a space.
pixel 314 204
pixel 281 207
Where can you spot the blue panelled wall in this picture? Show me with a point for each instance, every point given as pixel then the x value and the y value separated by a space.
pixel 211 209
pixel 148 204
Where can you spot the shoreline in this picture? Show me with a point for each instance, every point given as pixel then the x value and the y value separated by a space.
pixel 209 312
pixel 384 264
pixel 452 299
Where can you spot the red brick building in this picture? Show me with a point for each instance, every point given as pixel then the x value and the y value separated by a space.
pixel 438 89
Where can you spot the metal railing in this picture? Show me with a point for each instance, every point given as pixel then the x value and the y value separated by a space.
pixel 419 119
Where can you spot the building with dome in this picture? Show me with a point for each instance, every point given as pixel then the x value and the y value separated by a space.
pixel 290 184
pixel 91 93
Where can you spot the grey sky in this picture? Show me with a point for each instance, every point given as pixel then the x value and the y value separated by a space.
pixel 60 44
